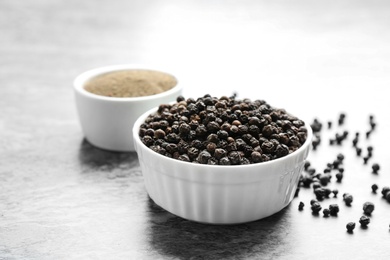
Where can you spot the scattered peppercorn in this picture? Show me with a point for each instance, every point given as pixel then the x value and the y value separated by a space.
pixel 374 188
pixel 316 185
pixel 350 227
pixel 365 159
pixel 387 196
pixel 326 212
pixel 341 119
pixel 316 126
pixel 301 205
pixel 368 208
pixel 320 193
pixel 315 143
pixel 385 190
pixel 306 165
pixel 334 209
pixel 355 140
pixel 316 207
pixel 340 157
pixel 358 151
pixel 335 192
pixel 364 221
pixel 339 176
pixel 348 198
pixel 324 179
pixel 370 149
pixel 311 171
pixel 375 168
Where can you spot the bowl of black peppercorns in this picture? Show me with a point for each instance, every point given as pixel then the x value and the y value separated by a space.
pixel 221 160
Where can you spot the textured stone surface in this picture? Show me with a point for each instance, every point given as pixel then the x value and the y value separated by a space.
pixel 61 198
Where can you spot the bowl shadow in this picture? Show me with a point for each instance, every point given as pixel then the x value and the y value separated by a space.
pixel 175 237
pixel 92 159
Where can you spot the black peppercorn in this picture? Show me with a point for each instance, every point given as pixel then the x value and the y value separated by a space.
pixel 193 153
pixel 184 157
pixel 147 140
pixel 351 226
pixel 321 193
pixel 184 128
pixel 219 153
pixel 209 123
pixel 385 190
pixel 311 171
pixel 364 221
pixel 324 179
pixel 374 188
pixel 365 159
pixel 224 161
pixel 301 205
pixel 341 118
pixel 203 157
pixel 334 209
pixel 306 165
pixel 234 157
pixel 375 168
pixel 348 198
pixel 339 176
pixel 368 208
pixel 387 196
pixel 281 150
pixel 159 134
pixel 326 212
pixel 316 207
pixel 256 156
pixel 315 185
pixel 358 151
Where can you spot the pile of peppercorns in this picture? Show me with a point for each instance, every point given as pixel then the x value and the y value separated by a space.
pixel 318 181
pixel 222 131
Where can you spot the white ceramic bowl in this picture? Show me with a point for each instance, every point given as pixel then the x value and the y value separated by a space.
pixel 220 194
pixel 107 122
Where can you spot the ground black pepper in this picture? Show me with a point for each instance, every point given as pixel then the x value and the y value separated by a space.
pixel 225 131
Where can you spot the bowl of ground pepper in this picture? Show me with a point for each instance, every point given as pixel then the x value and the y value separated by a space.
pixel 110 99
pixel 221 160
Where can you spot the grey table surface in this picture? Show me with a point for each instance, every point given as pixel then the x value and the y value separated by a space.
pixel 61 198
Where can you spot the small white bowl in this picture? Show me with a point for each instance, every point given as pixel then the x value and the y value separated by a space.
pixel 220 194
pixel 107 122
